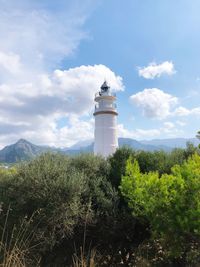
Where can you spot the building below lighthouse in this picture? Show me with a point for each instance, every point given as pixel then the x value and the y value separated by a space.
pixel 105 135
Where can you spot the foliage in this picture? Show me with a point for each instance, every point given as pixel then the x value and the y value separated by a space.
pixel 170 203
pixel 118 164
pixel 151 161
pixel 15 245
pixel 75 202
pixel 47 185
pixel 198 135
pixel 6 172
pixel 160 160
pixel 64 193
pixel 98 189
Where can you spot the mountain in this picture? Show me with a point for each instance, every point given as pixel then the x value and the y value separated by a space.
pixel 22 150
pixel 146 145
pixel 87 146
pixel 78 150
pixel 171 142
pixel 141 146
pixel 81 145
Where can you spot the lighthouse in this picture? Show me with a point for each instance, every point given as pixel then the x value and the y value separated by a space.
pixel 105 114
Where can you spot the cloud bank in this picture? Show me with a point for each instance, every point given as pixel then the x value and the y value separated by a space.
pixel 184 112
pixel 39 100
pixel 33 109
pixel 154 103
pixel 154 70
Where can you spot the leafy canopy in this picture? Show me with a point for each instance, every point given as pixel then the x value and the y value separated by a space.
pixel 171 203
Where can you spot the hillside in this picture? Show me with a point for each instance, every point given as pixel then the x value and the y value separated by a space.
pixel 137 145
pixel 171 142
pixel 24 150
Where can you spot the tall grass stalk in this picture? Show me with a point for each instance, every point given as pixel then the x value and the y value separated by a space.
pixel 15 244
pixel 85 260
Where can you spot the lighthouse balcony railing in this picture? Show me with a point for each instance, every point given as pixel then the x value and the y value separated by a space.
pixel 111 106
pixel 107 93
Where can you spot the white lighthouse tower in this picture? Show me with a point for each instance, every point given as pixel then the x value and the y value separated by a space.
pixel 105 136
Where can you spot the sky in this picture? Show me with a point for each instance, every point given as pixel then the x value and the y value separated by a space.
pixel 54 56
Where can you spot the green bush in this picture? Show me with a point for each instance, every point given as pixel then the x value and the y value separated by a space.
pixel 98 188
pixel 71 202
pixel 118 164
pixel 170 203
pixel 65 194
pixel 160 161
pixel 49 187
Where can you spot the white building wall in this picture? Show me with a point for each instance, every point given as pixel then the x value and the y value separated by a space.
pixel 106 138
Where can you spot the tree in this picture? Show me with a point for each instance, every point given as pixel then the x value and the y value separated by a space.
pixel 198 135
pixel 67 197
pixel 118 164
pixel 170 203
pixel 152 161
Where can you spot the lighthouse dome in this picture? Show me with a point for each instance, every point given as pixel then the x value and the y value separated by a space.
pixel 105 88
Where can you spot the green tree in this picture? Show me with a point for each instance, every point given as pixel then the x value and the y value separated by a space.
pixel 118 164
pixel 190 149
pixel 49 187
pixel 152 161
pixel 98 188
pixel 170 203
pixel 68 196
pixel 198 135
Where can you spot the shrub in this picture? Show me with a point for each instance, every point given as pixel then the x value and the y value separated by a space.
pixel 67 195
pixel 48 186
pixel 118 164
pixel 170 203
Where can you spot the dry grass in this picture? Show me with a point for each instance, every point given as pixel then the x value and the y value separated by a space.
pixel 85 260
pixel 15 245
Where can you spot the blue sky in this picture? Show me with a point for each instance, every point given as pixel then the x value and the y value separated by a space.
pixel 54 55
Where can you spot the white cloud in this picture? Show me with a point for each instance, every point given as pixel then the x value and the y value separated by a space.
pixel 81 83
pixel 40 37
pixel 154 70
pixel 10 62
pixel 78 130
pixel 35 93
pixel 154 103
pixel 168 125
pixel 182 111
pixel 37 106
pixel 170 129
pixel 61 92
pixel 181 123
pixel 48 133
pixel 167 129
pixel 137 133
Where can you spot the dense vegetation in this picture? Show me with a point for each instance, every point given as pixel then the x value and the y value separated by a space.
pixel 134 209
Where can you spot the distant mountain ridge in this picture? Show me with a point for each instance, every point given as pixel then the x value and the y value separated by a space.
pixel 21 150
pixel 24 150
pixel 141 146
pixel 172 142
